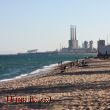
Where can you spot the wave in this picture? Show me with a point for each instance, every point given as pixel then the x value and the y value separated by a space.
pixel 43 70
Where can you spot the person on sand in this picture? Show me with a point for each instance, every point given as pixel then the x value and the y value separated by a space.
pixel 60 64
pixel 77 62
pixel 63 68
pixel 71 64
pixel 83 62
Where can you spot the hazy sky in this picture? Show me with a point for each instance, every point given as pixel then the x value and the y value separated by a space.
pixel 44 24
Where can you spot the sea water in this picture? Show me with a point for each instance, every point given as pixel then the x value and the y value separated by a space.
pixel 16 66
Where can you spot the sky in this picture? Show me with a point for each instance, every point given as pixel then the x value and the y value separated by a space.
pixel 45 24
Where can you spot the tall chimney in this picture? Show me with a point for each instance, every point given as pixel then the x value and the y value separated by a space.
pixel 75 32
pixel 71 33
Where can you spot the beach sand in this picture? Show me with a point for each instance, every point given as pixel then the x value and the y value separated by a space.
pixel 78 88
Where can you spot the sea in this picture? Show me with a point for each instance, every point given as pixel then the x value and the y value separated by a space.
pixel 21 65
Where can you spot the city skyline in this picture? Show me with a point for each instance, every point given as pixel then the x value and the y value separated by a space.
pixel 45 24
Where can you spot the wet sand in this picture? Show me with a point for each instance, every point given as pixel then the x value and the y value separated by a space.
pixel 78 88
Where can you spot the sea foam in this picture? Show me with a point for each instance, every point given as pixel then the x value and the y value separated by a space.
pixel 43 70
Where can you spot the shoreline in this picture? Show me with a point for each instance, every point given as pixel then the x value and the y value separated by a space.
pixel 76 88
pixel 38 72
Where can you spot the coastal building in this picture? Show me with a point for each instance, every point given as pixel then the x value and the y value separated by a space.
pixel 85 45
pixel 73 46
pixel 102 48
pixel 32 51
pixel 91 44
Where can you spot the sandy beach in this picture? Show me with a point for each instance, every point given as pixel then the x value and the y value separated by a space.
pixel 78 88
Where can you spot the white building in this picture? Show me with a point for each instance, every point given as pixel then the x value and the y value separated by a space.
pixel 102 48
pixel 108 49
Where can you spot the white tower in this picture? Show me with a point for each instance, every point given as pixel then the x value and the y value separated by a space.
pixel 73 42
